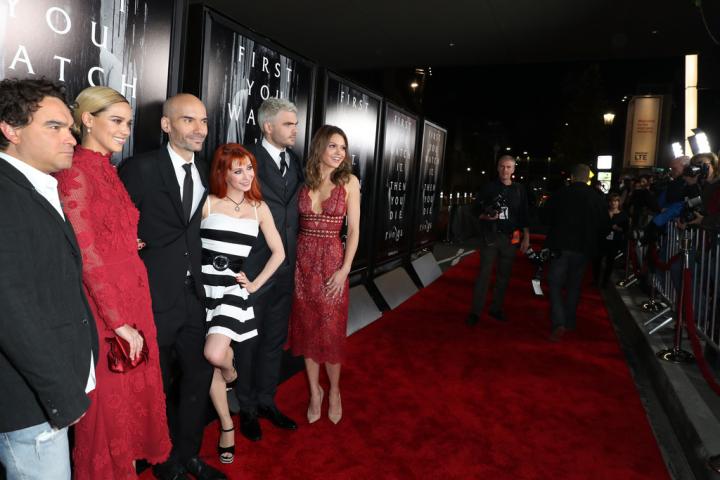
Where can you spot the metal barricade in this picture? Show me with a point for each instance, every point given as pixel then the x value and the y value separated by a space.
pixel 705 267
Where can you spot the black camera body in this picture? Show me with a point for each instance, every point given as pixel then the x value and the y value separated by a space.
pixel 691 206
pixel 699 171
pixel 538 258
pixel 493 206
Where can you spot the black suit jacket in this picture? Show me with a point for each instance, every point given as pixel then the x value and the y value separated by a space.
pixel 46 329
pixel 576 216
pixel 172 243
pixel 281 195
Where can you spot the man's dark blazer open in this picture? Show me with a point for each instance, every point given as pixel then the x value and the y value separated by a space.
pixel 46 329
pixel 259 363
pixel 283 205
pixel 171 242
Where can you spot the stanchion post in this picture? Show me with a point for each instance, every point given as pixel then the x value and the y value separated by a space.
pixel 676 354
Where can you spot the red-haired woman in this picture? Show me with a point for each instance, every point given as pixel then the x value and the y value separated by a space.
pixel 232 217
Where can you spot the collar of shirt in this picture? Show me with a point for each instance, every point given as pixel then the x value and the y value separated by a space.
pixel 274 152
pixel 178 162
pixel 44 184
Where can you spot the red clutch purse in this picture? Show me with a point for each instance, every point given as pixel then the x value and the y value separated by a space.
pixel 119 355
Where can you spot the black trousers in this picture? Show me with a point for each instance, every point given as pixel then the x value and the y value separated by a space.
pixel 495 246
pixel 565 272
pixel 186 373
pixel 258 361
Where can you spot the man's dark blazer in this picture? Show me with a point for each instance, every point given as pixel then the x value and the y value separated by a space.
pixel 576 216
pixel 171 242
pixel 46 329
pixel 281 195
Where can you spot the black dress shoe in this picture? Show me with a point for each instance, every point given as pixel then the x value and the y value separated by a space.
pixel 472 319
pixel 497 315
pixel 203 471
pixel 276 417
pixel 249 426
pixel 170 471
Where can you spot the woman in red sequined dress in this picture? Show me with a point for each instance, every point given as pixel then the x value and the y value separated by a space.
pixel 126 419
pixel 318 321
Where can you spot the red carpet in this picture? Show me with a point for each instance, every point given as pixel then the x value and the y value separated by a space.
pixel 427 397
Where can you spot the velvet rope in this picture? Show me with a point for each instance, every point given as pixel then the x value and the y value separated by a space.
pixel 692 333
pixel 659 264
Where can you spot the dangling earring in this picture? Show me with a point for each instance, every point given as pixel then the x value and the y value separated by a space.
pixel 89 129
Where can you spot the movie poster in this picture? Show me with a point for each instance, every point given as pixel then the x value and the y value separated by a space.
pixel 643 131
pixel 396 184
pixel 122 44
pixel 357 112
pixel 240 71
pixel 430 168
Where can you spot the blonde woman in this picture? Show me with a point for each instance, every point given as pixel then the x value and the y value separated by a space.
pixel 126 420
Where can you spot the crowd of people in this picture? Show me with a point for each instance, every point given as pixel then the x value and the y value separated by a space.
pixel 585 225
pixel 134 297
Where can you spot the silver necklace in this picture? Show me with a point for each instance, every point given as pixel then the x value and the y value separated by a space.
pixel 237 204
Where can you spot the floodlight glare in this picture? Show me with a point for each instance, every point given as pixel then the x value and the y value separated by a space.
pixel 677 150
pixel 699 142
pixel 604 162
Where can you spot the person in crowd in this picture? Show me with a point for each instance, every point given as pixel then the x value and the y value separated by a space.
pixel 318 323
pixel 674 192
pixel 709 189
pixel 503 210
pixel 575 217
pixel 49 344
pixel 280 175
pixel 126 419
pixel 168 189
pixel 233 215
pixel 611 242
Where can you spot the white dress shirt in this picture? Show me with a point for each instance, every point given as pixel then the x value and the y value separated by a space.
pixel 198 188
pixel 46 185
pixel 275 153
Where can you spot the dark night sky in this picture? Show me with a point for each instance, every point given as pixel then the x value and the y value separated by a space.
pixel 526 106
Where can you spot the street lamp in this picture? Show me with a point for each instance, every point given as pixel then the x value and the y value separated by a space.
pixel 609 118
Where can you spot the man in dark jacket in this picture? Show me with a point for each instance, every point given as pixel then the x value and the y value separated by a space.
pixel 169 190
pixel 576 216
pixel 502 208
pixel 48 339
pixel 280 173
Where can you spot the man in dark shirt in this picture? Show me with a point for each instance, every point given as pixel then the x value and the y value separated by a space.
pixel 576 216
pixel 503 210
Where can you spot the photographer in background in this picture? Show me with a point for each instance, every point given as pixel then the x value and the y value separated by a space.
pixel 576 216
pixel 702 179
pixel 502 208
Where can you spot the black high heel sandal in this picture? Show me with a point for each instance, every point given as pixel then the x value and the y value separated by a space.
pixel 226 454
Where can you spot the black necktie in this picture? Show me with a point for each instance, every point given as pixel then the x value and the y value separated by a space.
pixel 283 164
pixel 187 199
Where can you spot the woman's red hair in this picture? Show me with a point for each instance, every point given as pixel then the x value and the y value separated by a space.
pixel 222 163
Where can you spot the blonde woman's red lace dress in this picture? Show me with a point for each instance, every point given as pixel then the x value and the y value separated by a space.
pixel 318 322
pixel 126 419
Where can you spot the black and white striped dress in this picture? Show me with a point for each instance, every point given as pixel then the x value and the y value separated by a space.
pixel 226 242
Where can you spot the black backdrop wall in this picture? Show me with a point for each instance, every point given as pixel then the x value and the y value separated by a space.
pixel 122 44
pixel 233 70
pixel 357 111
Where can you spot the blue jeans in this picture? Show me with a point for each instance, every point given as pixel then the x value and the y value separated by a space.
pixel 36 452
